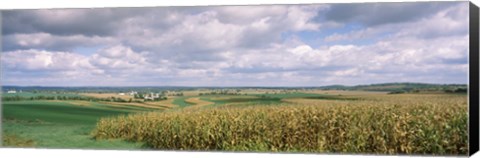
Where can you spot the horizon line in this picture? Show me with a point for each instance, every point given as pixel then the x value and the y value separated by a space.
pixel 245 86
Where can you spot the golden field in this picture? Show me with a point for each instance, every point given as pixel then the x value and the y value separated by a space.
pixel 107 95
pixel 383 124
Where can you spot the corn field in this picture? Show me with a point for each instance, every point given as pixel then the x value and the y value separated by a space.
pixel 396 124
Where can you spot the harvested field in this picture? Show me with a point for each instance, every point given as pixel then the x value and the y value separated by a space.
pixel 163 103
pixel 198 102
pixel 340 92
pixel 143 105
pixel 80 103
pixel 107 95
pixel 230 97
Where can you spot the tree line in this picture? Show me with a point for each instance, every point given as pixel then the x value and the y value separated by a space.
pixel 41 97
pixel 220 93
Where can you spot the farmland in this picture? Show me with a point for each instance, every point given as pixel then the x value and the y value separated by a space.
pixel 249 119
pixel 50 124
pixel 390 125
pixel 106 95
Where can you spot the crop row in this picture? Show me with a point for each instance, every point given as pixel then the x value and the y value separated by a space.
pixel 419 125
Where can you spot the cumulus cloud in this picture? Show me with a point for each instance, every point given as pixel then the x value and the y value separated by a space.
pixel 117 57
pixel 89 22
pixel 48 41
pixel 372 14
pixel 34 60
pixel 238 45
pixel 451 21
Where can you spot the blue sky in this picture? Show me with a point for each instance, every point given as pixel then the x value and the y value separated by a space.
pixel 267 45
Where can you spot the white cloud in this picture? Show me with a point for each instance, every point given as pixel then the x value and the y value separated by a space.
pixel 451 21
pixel 118 57
pixel 43 40
pixel 235 45
pixel 43 60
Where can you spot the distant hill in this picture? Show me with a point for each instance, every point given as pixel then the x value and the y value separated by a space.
pixel 402 87
pixel 92 89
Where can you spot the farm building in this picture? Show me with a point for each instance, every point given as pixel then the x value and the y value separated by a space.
pixel 11 91
pixel 132 93
pixel 151 96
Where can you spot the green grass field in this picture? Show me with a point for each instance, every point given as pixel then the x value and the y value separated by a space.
pixel 58 124
pixel 264 99
pixel 180 101
pixel 238 99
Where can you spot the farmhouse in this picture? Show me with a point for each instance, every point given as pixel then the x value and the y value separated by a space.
pixel 132 93
pixel 121 93
pixel 11 91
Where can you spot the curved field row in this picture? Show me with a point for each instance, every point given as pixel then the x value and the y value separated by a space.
pixel 197 102
pixel 143 105
pixel 222 98
pixel 310 101
pixel 80 103
pixel 180 102
pixel 132 107
pixel 99 105
pixel 107 95
pixel 342 92
pixel 164 103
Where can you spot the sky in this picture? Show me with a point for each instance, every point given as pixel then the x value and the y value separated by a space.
pixel 260 45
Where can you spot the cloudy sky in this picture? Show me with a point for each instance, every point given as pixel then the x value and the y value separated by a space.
pixel 269 45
